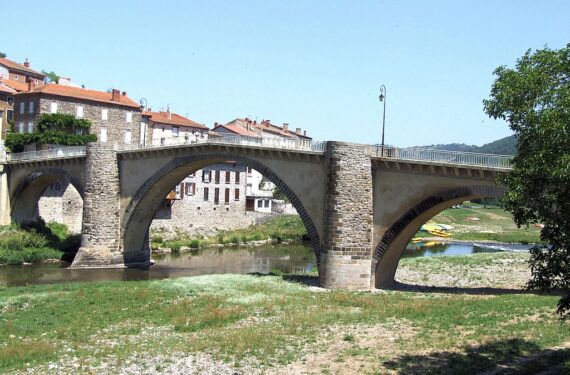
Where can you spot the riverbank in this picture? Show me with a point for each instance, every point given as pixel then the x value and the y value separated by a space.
pixel 286 228
pixel 36 243
pixel 227 324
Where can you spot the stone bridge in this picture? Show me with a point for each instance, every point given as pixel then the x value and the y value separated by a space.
pixel 360 204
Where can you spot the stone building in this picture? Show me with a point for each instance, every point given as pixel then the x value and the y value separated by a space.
pixel 14 78
pixel 165 127
pixel 113 115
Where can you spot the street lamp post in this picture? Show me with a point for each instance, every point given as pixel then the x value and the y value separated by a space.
pixel 382 98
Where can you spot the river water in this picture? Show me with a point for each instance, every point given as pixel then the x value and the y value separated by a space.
pixel 296 258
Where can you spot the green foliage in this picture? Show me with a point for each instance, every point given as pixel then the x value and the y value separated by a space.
pixel 51 76
pixel 503 146
pixel 53 128
pixel 278 194
pixel 534 98
pixel 36 242
pixel 2 55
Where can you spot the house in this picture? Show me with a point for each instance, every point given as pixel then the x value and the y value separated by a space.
pixel 6 108
pixel 14 78
pixel 113 115
pixel 165 127
pixel 259 191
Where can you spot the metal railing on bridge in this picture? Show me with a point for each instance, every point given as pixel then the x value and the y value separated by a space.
pixel 239 140
pixel 440 156
pixel 53 153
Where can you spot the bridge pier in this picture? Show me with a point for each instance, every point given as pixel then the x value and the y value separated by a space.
pixel 5 210
pixel 100 239
pixel 347 249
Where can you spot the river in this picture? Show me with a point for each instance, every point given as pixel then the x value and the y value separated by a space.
pixel 295 258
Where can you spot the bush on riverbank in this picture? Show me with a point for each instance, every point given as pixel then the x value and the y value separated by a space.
pixel 36 242
pixel 281 228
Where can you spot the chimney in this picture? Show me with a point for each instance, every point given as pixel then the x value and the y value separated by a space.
pixel 298 131
pixel 27 63
pixel 305 133
pixel 124 93
pixel 285 127
pixel 31 84
pixel 116 97
pixel 169 114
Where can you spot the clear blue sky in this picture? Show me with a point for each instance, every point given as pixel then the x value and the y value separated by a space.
pixel 317 65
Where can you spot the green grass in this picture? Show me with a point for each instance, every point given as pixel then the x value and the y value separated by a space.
pixel 272 322
pixel 35 243
pixel 495 224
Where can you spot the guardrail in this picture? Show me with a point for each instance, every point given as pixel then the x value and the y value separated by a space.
pixel 277 143
pixel 54 153
pixel 439 156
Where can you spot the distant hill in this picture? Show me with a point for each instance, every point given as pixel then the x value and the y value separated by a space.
pixel 503 146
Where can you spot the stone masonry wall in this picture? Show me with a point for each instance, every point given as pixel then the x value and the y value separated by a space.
pixel 347 244
pixel 100 240
pixel 62 203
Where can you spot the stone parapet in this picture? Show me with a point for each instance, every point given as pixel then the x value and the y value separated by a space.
pixel 100 239
pixel 347 246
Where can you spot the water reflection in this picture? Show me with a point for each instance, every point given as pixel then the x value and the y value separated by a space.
pixel 433 248
pixel 263 259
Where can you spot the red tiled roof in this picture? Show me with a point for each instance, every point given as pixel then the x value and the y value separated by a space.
pixel 264 126
pixel 16 85
pixel 81 93
pixel 237 129
pixel 14 65
pixel 173 119
pixel 6 89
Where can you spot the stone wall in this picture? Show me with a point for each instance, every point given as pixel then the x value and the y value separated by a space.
pixel 62 203
pixel 100 239
pixel 347 246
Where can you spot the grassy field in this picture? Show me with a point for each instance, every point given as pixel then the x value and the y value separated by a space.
pixel 281 324
pixel 494 224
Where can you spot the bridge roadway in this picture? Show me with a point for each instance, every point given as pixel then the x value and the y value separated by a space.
pixel 360 204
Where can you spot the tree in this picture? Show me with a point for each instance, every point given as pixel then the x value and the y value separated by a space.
pixel 51 76
pixel 534 98
pixel 2 55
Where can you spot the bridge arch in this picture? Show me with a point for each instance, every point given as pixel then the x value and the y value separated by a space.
pixel 389 250
pixel 29 189
pixel 140 210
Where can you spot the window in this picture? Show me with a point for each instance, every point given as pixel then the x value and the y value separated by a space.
pixel 259 203
pixel 31 107
pixel 128 136
pixel 217 177
pixel 53 107
pixel 190 188
pixel 227 196
pixel 30 127
pixel 79 111
pixel 129 117
pixel 56 186
pixel 228 177
pixel 266 203
pixel 103 136
pixel 206 192
pixel 206 176
pixel 22 105
pixel 249 170
pixel 236 195
pixel 175 131
pixel 237 177
pixel 217 196
pixel 20 127
pixel 16 77
pixel 104 114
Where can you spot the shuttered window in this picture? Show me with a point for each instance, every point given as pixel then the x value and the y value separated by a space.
pixel 236 195
pixel 206 194
pixel 227 196
pixel 217 196
pixel 237 177
pixel 228 177
pixel 217 177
